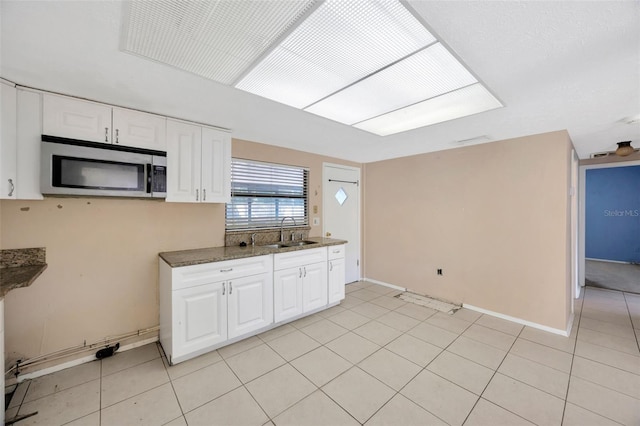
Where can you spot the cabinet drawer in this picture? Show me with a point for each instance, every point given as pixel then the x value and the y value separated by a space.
pixel 189 276
pixel 299 258
pixel 336 252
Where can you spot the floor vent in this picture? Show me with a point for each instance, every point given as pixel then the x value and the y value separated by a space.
pixel 429 302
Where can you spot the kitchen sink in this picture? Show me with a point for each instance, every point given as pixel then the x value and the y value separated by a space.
pixel 298 243
pixel 275 246
pixel 289 244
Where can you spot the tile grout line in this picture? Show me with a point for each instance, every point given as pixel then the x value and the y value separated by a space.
pixel 566 400
pixel 492 376
pixel 573 355
pixel 624 294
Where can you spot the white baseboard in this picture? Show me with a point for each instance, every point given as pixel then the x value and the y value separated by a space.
pixel 395 287
pixel 83 360
pixel 564 333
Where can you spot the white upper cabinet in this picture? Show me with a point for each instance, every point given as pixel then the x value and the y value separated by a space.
pixel 8 141
pixel 76 119
pixel 29 137
pixel 20 143
pixel 139 129
pixel 216 166
pixel 184 143
pixel 198 164
pixel 90 121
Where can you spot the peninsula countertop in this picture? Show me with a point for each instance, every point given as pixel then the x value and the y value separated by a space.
pixel 179 258
pixel 20 267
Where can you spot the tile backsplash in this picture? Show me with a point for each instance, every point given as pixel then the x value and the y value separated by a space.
pixel 265 236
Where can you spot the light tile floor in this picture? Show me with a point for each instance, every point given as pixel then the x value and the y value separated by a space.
pixel 373 360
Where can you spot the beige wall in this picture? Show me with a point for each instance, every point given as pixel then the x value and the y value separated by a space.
pixel 102 256
pixel 494 217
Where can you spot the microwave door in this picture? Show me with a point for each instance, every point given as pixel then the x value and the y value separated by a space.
pixel 74 170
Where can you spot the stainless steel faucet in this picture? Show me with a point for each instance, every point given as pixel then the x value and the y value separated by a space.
pixel 282 227
pixel 253 239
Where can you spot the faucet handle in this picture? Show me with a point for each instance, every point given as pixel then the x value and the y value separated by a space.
pixel 253 239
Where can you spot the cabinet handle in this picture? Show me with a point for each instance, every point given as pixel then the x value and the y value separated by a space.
pixel 197 195
pixel 223 288
pixel 204 194
pixel 117 131
pixel 12 187
pixel 226 270
pixel 300 270
pixel 106 134
pixel 330 266
pixel 336 251
pixel 230 287
pixel 305 271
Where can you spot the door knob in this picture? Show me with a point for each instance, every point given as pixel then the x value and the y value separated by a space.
pixel 328 234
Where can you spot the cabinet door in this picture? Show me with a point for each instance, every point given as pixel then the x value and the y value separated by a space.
pixel 200 318
pixel 287 290
pixel 139 129
pixel 8 143
pixel 75 119
pixel 183 162
pixel 314 286
pixel 29 137
pixel 216 166
pixel 336 280
pixel 249 304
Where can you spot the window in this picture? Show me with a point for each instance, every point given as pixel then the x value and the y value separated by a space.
pixel 263 194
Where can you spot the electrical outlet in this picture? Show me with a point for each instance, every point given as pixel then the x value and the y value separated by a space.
pixel 316 221
pixel 439 271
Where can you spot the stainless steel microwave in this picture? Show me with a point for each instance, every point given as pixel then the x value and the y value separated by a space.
pixel 70 167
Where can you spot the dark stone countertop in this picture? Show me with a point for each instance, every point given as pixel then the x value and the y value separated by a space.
pixel 20 267
pixel 217 254
pixel 18 277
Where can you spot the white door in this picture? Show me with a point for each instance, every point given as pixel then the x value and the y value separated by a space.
pixel 249 304
pixel 314 286
pixel 75 119
pixel 139 129
pixel 216 166
pixel 200 318
pixel 336 280
pixel 341 212
pixel 184 143
pixel 287 292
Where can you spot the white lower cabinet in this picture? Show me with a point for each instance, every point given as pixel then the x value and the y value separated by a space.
pixel 300 282
pixel 206 306
pixel 336 273
pixel 287 290
pixel 202 306
pixel 249 304
pixel 201 318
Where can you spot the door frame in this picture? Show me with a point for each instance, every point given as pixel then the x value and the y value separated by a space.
pixel 582 265
pixel 359 206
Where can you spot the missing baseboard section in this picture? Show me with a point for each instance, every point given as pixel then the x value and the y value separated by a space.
pixel 429 302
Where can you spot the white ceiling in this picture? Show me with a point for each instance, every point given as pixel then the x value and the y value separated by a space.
pixel 555 65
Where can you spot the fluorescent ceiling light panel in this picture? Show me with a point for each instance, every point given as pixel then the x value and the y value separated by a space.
pixel 343 40
pixel 218 40
pixel 426 74
pixel 367 63
pixel 460 103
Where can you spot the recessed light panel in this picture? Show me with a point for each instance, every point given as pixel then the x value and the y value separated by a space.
pixel 367 63
pixel 426 74
pixel 218 40
pixel 341 42
pixel 460 103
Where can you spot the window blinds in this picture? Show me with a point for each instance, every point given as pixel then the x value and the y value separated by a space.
pixel 262 194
